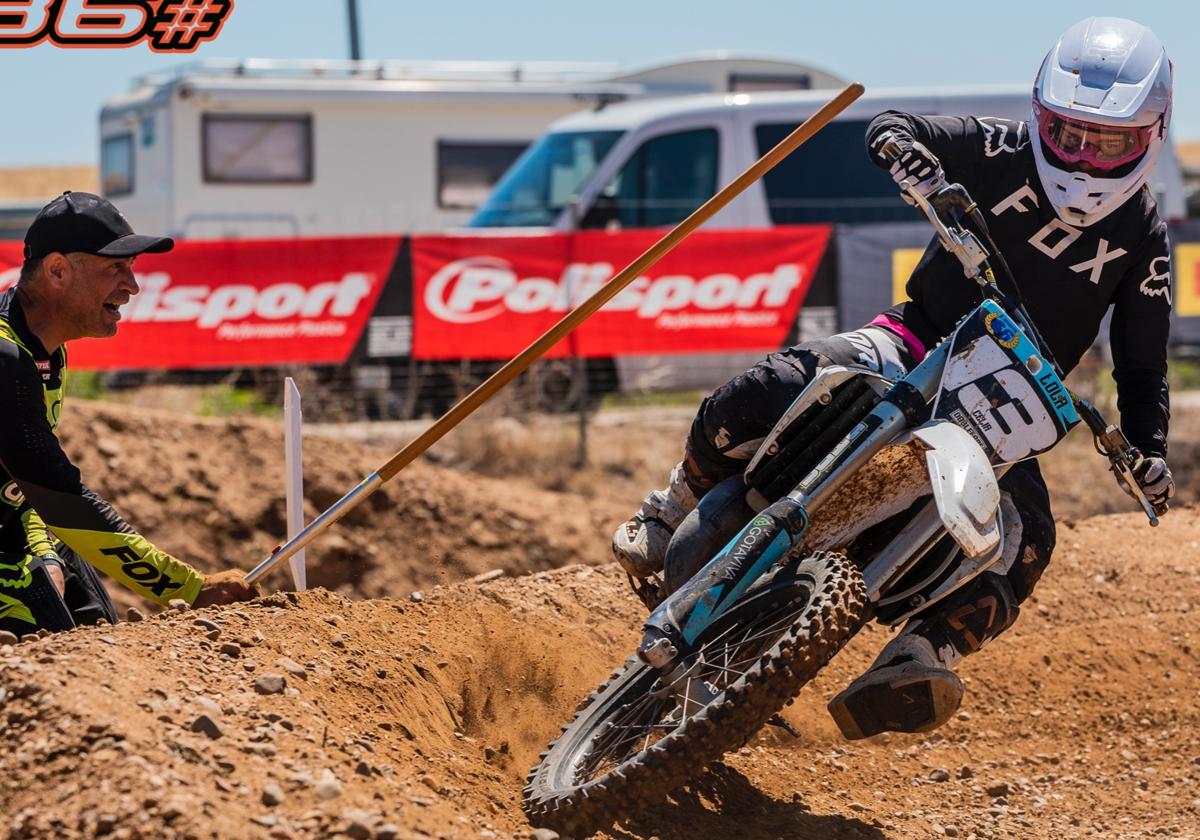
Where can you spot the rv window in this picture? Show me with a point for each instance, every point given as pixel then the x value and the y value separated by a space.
pixel 468 171
pixel 663 182
pixel 116 165
pixel 542 182
pixel 829 178
pixel 257 149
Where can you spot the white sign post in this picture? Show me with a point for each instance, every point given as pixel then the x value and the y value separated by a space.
pixel 293 475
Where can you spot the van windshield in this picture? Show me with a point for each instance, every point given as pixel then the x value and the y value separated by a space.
pixel 544 179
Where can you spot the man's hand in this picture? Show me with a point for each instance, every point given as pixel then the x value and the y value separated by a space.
pixel 911 162
pixel 225 588
pixel 1154 477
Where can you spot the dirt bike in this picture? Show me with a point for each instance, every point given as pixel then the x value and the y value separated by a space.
pixel 870 498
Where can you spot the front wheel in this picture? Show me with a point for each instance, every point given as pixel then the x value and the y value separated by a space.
pixel 633 741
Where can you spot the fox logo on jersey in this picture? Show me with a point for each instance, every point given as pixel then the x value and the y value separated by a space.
pixel 1003 136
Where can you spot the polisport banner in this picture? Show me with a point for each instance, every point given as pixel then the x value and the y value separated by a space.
pixel 240 303
pixel 490 297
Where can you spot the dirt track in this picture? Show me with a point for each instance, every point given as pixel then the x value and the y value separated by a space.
pixel 420 719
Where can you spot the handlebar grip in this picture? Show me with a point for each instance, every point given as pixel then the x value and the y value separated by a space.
pixel 891 149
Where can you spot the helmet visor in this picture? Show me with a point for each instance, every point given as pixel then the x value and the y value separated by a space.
pixel 1091 145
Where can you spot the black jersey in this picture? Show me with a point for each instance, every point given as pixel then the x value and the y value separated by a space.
pixel 1068 276
pixel 42 498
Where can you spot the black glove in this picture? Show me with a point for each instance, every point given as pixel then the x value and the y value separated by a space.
pixel 1154 477
pixel 910 162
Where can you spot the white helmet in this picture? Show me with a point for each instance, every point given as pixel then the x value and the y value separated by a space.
pixel 1101 106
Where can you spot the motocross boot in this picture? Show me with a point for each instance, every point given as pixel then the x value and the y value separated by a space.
pixel 911 687
pixel 640 544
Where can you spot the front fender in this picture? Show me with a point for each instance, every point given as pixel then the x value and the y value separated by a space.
pixel 964 486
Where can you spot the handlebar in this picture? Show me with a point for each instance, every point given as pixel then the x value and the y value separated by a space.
pixel 947 209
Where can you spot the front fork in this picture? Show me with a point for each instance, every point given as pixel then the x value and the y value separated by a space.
pixel 681 619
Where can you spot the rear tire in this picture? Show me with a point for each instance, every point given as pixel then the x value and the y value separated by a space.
pixel 627 749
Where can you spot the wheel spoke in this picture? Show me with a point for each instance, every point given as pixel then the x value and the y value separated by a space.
pixel 723 660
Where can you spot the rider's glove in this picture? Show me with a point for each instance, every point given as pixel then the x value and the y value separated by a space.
pixel 1154 477
pixel 911 163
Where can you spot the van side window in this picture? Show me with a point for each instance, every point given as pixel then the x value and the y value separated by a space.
pixel 829 178
pixel 116 165
pixel 257 148
pixel 662 182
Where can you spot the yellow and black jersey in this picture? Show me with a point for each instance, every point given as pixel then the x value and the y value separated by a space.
pixel 42 497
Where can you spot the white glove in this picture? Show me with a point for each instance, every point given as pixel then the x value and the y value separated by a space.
pixel 1154 477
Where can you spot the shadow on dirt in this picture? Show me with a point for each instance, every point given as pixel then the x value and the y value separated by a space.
pixel 724 803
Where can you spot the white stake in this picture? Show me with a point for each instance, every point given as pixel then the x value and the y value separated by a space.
pixel 293 475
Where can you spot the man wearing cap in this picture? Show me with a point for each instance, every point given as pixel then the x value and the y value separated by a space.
pixel 77 274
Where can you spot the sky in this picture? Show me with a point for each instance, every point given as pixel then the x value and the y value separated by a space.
pixel 52 96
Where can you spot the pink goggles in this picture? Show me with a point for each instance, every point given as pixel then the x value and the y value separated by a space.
pixel 1091 145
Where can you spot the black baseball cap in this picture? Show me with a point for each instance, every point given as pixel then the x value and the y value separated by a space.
pixel 82 222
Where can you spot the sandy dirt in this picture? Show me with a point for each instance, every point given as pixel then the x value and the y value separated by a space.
pixel 420 719
pixel 323 714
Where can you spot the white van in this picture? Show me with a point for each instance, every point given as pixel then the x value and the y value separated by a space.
pixel 651 163
pixel 272 148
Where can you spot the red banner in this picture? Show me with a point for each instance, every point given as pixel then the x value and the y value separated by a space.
pixel 488 297
pixel 240 303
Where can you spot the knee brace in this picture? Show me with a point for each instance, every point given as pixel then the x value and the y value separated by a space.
pixel 970 619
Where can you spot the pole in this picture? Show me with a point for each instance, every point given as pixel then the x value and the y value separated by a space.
pixel 487 389
pixel 579 373
pixel 293 469
pixel 352 19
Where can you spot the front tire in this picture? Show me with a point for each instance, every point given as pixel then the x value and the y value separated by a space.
pixel 630 744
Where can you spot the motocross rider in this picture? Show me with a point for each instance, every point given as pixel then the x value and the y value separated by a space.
pixel 1066 198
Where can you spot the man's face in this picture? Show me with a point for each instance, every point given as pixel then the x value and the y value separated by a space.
pixel 96 289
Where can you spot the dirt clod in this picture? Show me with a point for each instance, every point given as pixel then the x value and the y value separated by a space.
pixel 272 794
pixel 207 726
pixel 270 684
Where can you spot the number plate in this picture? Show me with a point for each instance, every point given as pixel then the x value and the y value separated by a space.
pixel 999 389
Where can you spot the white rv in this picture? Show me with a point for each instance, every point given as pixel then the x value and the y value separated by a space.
pixel 264 148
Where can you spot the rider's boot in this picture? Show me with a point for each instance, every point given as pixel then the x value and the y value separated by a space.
pixel 640 544
pixel 911 687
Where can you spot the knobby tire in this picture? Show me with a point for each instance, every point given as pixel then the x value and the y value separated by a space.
pixel 826 617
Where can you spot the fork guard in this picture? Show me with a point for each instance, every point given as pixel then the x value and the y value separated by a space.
pixel 679 621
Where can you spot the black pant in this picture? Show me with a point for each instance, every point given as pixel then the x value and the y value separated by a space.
pixel 29 602
pixel 737 416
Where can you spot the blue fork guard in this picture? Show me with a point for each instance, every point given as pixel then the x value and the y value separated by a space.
pixel 686 614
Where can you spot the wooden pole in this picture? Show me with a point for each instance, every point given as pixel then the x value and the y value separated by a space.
pixel 465 407
pixel 487 389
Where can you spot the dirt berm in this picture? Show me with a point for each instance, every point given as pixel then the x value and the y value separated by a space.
pixel 315 715
pixel 210 490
